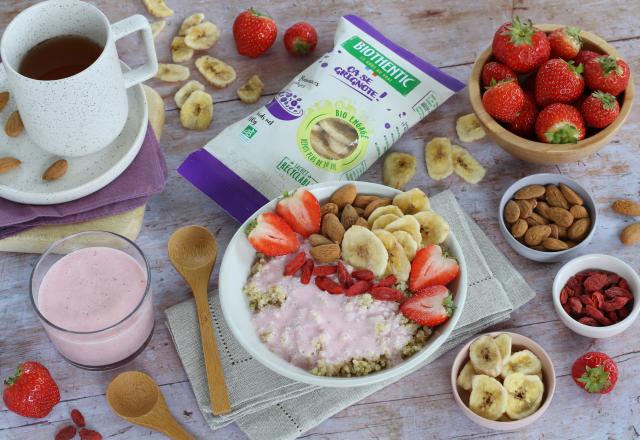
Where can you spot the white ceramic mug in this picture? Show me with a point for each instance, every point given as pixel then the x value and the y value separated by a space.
pixel 83 113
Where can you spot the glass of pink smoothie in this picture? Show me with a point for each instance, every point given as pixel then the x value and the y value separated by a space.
pixel 92 293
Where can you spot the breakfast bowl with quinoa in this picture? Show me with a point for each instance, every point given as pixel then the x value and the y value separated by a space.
pixel 343 284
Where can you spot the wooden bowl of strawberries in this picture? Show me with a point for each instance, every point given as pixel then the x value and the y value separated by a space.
pixel 550 94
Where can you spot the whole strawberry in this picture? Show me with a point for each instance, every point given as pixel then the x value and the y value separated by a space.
pixel 300 39
pixel 504 100
pixel 600 109
pixel 595 372
pixel 584 56
pixel 565 42
pixel 494 72
pixel 607 73
pixel 526 119
pixel 31 391
pixel 558 81
pixel 520 46
pixel 560 123
pixel 254 33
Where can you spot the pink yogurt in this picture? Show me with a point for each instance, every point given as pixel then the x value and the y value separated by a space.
pixel 90 290
pixel 344 327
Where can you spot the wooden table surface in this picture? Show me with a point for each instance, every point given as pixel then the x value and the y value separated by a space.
pixel 450 35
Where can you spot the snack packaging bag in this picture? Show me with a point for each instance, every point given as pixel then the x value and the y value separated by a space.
pixel 332 122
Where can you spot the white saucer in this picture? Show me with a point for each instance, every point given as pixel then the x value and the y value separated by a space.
pixel 86 175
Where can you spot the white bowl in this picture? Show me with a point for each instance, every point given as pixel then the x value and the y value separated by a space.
pixel 601 262
pixel 546 179
pixel 234 271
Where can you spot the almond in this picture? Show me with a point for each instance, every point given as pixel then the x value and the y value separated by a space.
pixel 362 222
pixel 560 216
pixel 511 212
pixel 562 232
pixel 349 216
pixel 554 230
pixel 362 200
pixel 4 99
pixel 631 234
pixel 578 211
pixel 360 211
pixel 317 240
pixel 535 235
pixel 14 126
pixel 332 228
pixel 8 163
pixel 329 208
pixel 529 192
pixel 570 195
pixel 536 219
pixel 626 207
pixel 56 170
pixel 526 208
pixel 326 253
pixel 554 197
pixel 375 204
pixel 553 244
pixel 345 195
pixel 579 229
pixel 542 208
pixel 519 228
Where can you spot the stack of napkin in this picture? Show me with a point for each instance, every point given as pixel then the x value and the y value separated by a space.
pixel 145 176
pixel 266 405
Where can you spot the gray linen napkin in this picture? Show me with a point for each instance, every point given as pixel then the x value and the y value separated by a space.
pixel 268 406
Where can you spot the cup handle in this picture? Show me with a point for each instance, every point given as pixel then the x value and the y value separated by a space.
pixel 128 26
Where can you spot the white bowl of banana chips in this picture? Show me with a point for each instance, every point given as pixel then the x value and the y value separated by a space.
pixel 503 381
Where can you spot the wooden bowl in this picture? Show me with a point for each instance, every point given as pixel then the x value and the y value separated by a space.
pixel 538 152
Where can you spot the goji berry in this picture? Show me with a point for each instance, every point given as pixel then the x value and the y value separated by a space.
pixel 344 276
pixel 598 299
pixel 612 292
pixel 587 320
pixel 586 300
pixel 358 288
pixel 329 285
pixel 613 278
pixel 623 284
pixel 597 315
pixel 564 295
pixel 613 316
pixel 66 433
pixel 89 434
pixel 595 281
pixel 323 271
pixel 386 294
pixel 295 264
pixel 363 275
pixel 307 270
pixel 387 281
pixel 566 308
pixel 77 418
pixel 575 305
pixel 615 303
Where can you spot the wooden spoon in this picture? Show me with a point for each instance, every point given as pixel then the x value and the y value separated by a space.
pixel 136 397
pixel 193 251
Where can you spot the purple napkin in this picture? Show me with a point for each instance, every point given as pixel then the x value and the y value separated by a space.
pixel 145 176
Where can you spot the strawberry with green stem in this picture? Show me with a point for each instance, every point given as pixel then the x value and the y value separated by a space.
pixel 430 267
pixel 600 109
pixel 503 100
pixel 607 73
pixel 254 33
pixel 560 123
pixel 300 39
pixel 301 210
pixel 595 372
pixel 520 46
pixel 430 306
pixel 31 391
pixel 494 72
pixel 558 80
pixel 565 42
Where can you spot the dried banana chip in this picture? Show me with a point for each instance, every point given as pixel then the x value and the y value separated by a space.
pixel 437 155
pixel 172 72
pixel 398 169
pixel 466 166
pixel 217 72
pixel 251 91
pixel 180 52
pixel 197 111
pixel 190 22
pixel 202 36
pixel 469 129
pixel 186 90
pixel 157 27
pixel 158 8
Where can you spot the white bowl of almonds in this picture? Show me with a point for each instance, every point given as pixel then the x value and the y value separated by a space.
pixel 547 217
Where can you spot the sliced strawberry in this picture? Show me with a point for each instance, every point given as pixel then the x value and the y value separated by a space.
pixel 295 264
pixel 271 235
pixel 429 306
pixel 302 211
pixel 430 268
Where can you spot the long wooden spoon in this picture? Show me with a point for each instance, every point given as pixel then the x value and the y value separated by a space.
pixel 136 397
pixel 193 251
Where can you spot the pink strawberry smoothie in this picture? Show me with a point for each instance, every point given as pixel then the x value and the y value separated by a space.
pixel 90 290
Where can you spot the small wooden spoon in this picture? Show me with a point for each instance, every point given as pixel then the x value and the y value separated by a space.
pixel 193 251
pixel 136 397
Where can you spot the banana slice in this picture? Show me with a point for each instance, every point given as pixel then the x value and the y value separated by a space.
pixel 189 22
pixel 524 362
pixel 398 264
pixel 433 228
pixel 217 72
pixel 412 201
pixel 389 209
pixel 251 91
pixel 466 166
pixel 485 356
pixel 197 111
pixel 398 169
pixel 437 155
pixel 157 27
pixel 320 144
pixel 180 52
pixel 407 242
pixel 186 90
pixel 503 342
pixel 202 36
pixel 172 72
pixel 524 395
pixel 469 129
pixel 408 224
pixel 488 397
pixel 383 221
pixel 339 130
pixel 362 249
pixel 158 8
pixel 465 378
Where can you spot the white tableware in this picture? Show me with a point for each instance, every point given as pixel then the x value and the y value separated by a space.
pixel 597 262
pixel 547 179
pixel 234 271
pixel 83 113
pixel 86 174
